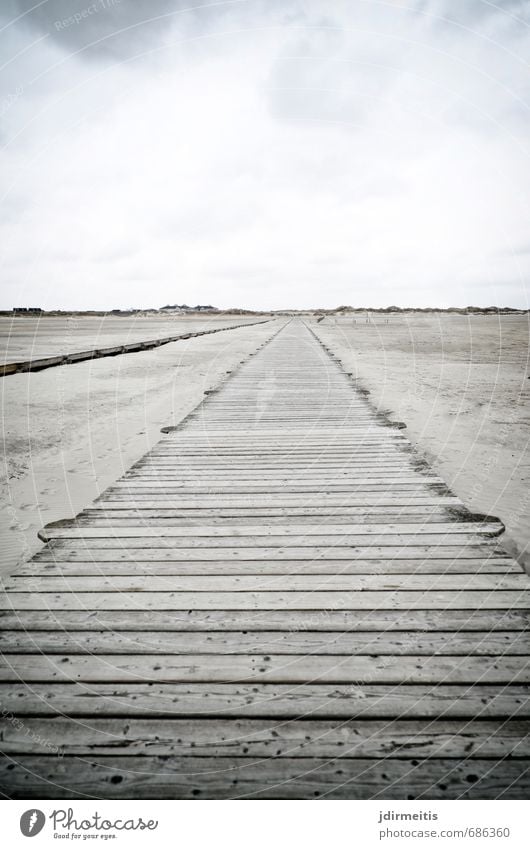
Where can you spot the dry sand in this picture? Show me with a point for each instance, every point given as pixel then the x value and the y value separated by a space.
pixel 70 431
pixel 460 384
pixel 24 338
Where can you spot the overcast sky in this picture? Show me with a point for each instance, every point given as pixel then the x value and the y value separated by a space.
pixel 264 153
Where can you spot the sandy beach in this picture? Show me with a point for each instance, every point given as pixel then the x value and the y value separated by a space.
pixel 460 384
pixel 69 432
pixel 24 338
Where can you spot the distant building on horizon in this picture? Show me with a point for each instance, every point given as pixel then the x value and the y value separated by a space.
pixel 186 308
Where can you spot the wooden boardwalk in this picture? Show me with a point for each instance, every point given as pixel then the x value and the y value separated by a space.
pixel 280 600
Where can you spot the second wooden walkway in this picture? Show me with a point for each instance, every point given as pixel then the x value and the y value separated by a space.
pixel 280 600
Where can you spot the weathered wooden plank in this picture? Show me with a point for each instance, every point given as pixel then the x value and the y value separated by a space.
pixel 311 502
pixel 46 565
pixel 296 669
pixel 216 451
pixel 290 461
pixel 429 496
pixel 278 701
pixel 275 456
pixel 344 531
pixel 369 469
pixel 267 642
pixel 235 477
pixel 282 431
pixel 367 472
pixel 268 583
pixel 280 458
pixel 341 600
pixel 275 515
pixel 277 778
pixel 294 559
pixel 348 433
pixel 407 483
pixel 308 492
pixel 310 434
pixel 279 452
pixel 315 546
pixel 254 738
pixel 174 518
pixel 289 620
pixel 327 415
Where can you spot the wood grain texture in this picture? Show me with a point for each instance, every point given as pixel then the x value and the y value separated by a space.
pixel 167 777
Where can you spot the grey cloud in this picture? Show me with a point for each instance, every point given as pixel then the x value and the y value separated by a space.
pixel 471 13
pixel 118 29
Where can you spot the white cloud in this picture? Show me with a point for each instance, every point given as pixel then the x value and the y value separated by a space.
pixel 267 155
